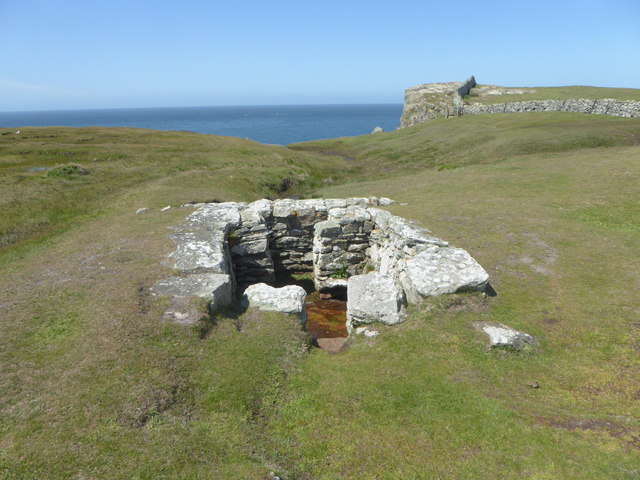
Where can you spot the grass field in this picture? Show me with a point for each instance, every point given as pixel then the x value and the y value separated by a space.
pixel 94 386
pixel 557 93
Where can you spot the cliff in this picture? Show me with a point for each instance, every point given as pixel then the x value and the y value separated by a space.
pixel 434 100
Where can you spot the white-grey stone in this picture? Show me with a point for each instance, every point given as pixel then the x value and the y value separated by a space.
pixel 217 288
pixel 374 298
pixel 378 130
pixel 385 202
pixel 335 203
pixel 440 270
pixel 502 336
pixel 327 228
pixel 251 248
pixel 216 216
pixel 367 332
pixel 164 209
pixel 200 251
pixel 141 211
pixel 288 299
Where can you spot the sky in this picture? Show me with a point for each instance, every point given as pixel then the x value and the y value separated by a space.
pixel 79 54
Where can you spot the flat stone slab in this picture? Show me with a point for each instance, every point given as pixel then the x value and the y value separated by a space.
pixel 200 251
pixel 216 288
pixel 502 336
pixel 440 270
pixel 332 345
pixel 374 298
pixel 288 299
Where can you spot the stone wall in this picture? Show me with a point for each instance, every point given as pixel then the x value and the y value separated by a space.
pixel 607 106
pixel 233 245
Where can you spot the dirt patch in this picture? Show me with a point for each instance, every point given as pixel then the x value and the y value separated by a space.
pixel 138 414
pixel 539 256
pixel 465 302
pixel 143 299
pixel 615 429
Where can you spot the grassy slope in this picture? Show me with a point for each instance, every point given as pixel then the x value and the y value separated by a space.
pixel 443 143
pixel 178 166
pixel 558 233
pixel 93 386
pixel 558 93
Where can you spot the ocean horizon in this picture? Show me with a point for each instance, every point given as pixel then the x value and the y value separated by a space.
pixel 272 124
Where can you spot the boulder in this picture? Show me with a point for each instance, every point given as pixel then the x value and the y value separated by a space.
pixel 374 298
pixel 288 299
pixel 502 336
pixel 439 270
pixel 378 130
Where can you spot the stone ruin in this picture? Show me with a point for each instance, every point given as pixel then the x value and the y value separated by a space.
pixel 384 261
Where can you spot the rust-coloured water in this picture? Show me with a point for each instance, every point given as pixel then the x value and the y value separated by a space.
pixel 326 318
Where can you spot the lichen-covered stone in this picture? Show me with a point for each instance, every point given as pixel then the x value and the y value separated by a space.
pixel 502 336
pixel 374 298
pixel 288 299
pixel 216 288
pixel 440 270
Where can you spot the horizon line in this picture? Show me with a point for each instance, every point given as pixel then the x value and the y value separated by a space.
pixel 199 106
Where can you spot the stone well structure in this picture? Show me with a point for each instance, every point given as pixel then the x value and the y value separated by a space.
pixel 389 260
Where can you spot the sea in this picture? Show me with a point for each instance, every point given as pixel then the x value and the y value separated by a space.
pixel 281 125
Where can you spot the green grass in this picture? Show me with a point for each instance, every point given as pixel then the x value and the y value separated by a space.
pixel 93 385
pixel 452 143
pixel 181 167
pixel 557 93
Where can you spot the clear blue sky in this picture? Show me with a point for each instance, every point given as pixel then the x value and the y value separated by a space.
pixel 138 53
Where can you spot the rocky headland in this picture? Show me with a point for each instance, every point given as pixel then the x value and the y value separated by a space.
pixel 443 100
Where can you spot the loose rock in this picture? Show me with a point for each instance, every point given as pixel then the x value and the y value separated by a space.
pixel 502 336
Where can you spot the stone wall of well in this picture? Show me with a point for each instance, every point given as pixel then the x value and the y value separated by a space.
pixel 232 245
pixel 283 235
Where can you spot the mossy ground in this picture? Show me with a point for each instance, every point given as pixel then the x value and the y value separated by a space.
pixel 93 385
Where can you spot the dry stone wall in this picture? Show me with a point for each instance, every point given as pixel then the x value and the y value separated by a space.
pixel 222 248
pixel 606 106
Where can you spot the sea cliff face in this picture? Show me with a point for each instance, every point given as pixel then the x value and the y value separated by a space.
pixel 442 100
pixel 434 100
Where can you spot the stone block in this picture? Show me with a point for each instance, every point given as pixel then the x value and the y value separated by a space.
pixel 253 247
pixel 438 270
pixel 327 229
pixel 289 299
pixel 216 288
pixel 374 298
